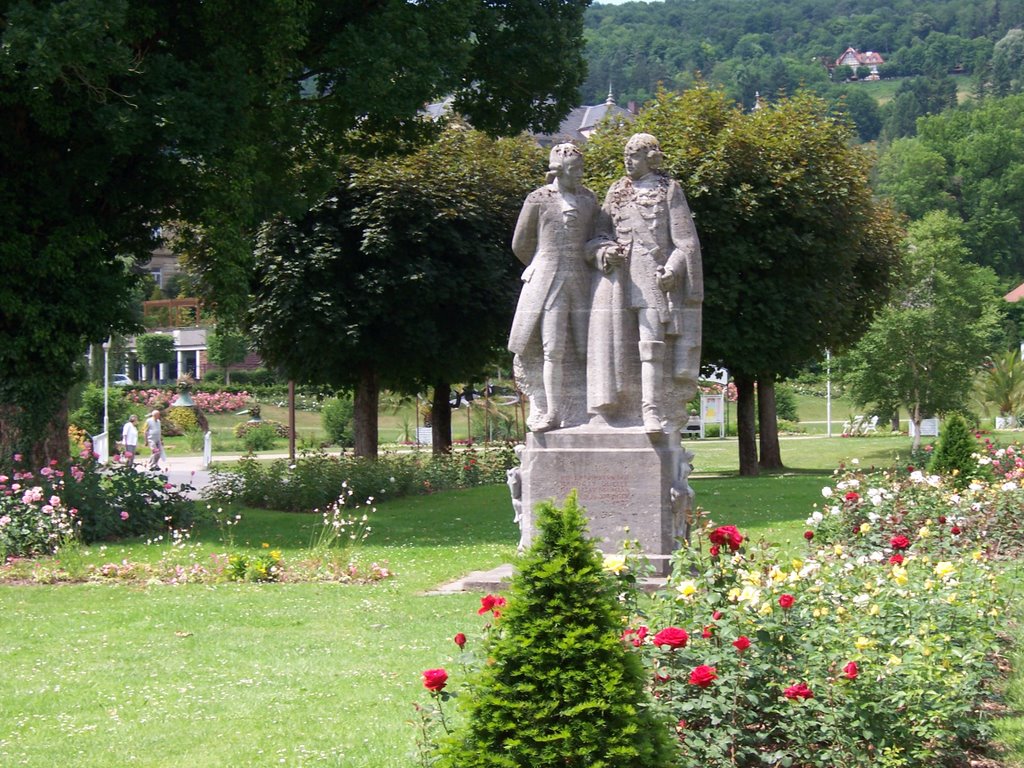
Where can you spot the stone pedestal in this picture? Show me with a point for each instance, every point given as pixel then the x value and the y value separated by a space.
pixel 631 484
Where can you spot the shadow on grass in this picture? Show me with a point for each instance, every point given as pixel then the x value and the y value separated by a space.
pixel 774 506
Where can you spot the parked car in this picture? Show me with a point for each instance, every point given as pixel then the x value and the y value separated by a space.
pixel 121 380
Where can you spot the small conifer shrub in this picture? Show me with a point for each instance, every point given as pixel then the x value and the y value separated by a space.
pixel 560 689
pixel 954 457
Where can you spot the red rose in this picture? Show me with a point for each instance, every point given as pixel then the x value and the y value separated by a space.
pixel 896 559
pixel 726 535
pixel 850 671
pixel 673 637
pixel 852 497
pixel 703 676
pixel 460 640
pixel 955 530
pixel 635 636
pixel 786 601
pixel 707 633
pixel 435 679
pixel 713 551
pixel 942 519
pixel 899 542
pixel 808 535
pixel 798 691
pixel 741 643
pixel 716 615
pixel 489 603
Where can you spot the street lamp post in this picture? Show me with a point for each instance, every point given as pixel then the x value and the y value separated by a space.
pixel 107 387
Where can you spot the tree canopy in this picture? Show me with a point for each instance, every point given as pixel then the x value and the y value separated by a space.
pixel 924 348
pixel 121 116
pixel 969 162
pixel 402 276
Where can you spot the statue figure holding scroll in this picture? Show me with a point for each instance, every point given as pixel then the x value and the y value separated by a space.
pixel 645 326
pixel 549 331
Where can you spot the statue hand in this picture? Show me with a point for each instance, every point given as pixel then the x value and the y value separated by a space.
pixel 614 256
pixel 666 279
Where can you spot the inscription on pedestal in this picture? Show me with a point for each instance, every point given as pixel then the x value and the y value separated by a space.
pixel 623 480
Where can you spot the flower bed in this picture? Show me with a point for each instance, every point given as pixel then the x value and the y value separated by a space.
pixel 41 509
pixel 316 479
pixel 208 402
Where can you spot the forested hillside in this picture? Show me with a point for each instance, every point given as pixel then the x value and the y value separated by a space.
pixel 772 45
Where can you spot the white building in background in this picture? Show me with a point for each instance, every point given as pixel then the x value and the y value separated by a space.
pixel 853 58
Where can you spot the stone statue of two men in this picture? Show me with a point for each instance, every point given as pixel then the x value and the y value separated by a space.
pixel 608 326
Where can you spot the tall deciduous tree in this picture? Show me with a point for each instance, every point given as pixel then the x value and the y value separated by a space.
pixel 923 349
pixel 402 277
pixel 224 348
pixel 969 161
pixel 797 253
pixel 122 115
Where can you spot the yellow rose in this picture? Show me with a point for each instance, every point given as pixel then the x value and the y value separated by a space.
pixel 944 569
pixel 614 563
pixel 687 589
pixel 899 574
pixel 865 527
pixel 863 643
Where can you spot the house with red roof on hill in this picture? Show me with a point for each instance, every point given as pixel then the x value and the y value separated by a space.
pixel 853 58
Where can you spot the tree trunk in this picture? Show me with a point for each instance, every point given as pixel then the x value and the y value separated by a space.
pixel 35 451
pixel 364 416
pixel 771 454
pixel 441 414
pixel 746 427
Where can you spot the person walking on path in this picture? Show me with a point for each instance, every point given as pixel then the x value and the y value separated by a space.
pixel 155 440
pixel 130 438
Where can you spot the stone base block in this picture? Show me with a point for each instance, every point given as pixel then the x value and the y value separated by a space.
pixel 629 482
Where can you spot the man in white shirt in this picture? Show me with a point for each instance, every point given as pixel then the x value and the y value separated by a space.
pixel 130 438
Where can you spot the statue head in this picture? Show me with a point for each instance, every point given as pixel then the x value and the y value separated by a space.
pixel 560 160
pixel 643 155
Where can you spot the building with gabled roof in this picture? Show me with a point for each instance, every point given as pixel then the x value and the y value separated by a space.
pixel 853 58
pixel 582 121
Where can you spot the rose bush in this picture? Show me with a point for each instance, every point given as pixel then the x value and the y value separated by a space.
pixel 77 499
pixel 839 658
